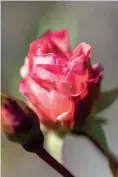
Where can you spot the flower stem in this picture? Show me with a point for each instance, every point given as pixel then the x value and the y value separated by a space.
pixel 43 154
pixel 107 153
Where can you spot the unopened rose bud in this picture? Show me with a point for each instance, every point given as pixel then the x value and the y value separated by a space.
pixel 19 123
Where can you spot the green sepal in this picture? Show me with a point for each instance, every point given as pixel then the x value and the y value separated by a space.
pixel 107 99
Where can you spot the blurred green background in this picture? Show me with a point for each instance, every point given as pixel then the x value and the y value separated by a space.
pixel 93 22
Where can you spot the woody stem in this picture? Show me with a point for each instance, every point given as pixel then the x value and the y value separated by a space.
pixel 43 154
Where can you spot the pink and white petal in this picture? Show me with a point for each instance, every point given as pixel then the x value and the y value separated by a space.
pixel 64 87
pixel 38 96
pixel 45 59
pixel 79 65
pixel 57 70
pixel 39 44
pixel 80 87
pixel 98 73
pixel 42 115
pixel 52 103
pixel 62 35
pixel 44 83
pixel 26 91
pixel 60 39
pixel 24 71
pixel 98 67
pixel 52 73
pixel 72 84
pixel 61 105
pixel 67 118
pixel 41 94
pixel 82 49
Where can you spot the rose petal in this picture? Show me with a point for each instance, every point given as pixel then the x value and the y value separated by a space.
pixel 36 95
pixel 79 65
pixel 82 49
pixel 51 42
pixel 52 73
pixel 43 117
pixel 40 45
pixel 98 73
pixel 44 83
pixel 85 106
pixel 61 104
pixel 24 71
pixel 60 39
pixel 98 68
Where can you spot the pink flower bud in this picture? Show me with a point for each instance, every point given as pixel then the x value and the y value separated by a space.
pixel 19 122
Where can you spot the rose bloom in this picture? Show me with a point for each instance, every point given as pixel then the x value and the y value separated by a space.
pixel 60 85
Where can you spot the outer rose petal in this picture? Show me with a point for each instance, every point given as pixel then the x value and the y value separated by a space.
pixel 50 62
pixel 44 83
pixel 46 59
pixel 72 84
pixel 89 101
pixel 31 91
pixel 85 106
pixel 72 89
pixel 44 118
pixel 60 39
pixel 43 60
pixel 60 103
pixel 82 49
pixel 49 105
pixel 40 45
pixel 67 118
pixel 98 69
pixel 39 96
pixel 51 42
pixel 97 73
pixel 52 73
pixel 79 65
pixel 24 71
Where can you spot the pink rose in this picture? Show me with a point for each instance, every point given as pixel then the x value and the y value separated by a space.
pixel 61 86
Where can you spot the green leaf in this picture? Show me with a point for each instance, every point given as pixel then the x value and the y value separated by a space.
pixel 95 130
pixel 100 120
pixel 107 99
pixel 95 133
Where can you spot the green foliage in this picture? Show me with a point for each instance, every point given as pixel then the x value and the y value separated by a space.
pixel 94 129
pixel 100 120
pixel 107 99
